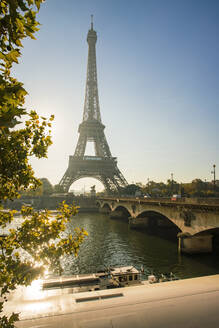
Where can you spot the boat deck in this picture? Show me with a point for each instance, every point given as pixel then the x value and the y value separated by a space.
pixel 71 280
pixel 93 278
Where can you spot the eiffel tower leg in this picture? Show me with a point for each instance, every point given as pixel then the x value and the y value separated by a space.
pixel 121 181
pixel 66 181
pixel 112 183
pixel 81 145
pixel 107 184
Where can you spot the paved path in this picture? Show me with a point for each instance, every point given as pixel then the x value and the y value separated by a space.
pixel 189 303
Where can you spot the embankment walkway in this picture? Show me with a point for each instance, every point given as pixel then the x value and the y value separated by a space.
pixel 188 303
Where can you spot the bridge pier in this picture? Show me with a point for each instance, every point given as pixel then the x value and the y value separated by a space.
pixel 104 210
pixel 138 223
pixel 194 244
pixel 117 215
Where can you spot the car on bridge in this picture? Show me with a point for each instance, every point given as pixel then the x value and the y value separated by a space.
pixel 175 197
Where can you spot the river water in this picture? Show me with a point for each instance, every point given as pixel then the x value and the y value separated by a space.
pixel 112 243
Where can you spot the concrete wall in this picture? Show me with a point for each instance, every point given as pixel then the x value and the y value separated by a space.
pixel 52 202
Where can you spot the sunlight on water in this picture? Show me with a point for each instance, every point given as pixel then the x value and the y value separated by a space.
pixel 112 243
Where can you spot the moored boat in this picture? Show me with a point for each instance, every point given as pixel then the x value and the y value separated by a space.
pixel 111 278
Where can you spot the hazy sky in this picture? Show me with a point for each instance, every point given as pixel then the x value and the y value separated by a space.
pixel 158 80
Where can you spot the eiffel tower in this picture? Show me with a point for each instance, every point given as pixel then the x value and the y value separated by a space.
pixel 102 166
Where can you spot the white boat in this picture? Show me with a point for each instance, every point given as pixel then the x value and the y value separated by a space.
pixel 110 278
pixel 125 276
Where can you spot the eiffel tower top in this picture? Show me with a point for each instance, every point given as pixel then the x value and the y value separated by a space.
pixel 91 105
pixel 92 35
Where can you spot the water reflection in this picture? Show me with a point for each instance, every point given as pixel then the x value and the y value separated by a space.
pixel 112 243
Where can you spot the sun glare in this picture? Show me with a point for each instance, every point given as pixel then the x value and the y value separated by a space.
pixel 34 291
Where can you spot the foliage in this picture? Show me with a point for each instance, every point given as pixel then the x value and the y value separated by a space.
pixel 196 188
pixel 16 147
pixel 17 21
pixel 199 188
pixel 39 233
pixel 45 188
pixel 130 190
pixel 58 189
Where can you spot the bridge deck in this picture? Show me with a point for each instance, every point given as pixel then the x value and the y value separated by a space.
pixel 203 203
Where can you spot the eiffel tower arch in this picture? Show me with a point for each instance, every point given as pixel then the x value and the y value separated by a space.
pixel 102 166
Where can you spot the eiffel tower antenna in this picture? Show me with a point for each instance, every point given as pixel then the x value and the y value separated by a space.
pixel 92 23
pixel 102 166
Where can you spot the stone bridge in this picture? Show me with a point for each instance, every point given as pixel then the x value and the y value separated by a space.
pixel 196 221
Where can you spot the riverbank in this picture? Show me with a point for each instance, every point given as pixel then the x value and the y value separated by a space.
pixel 182 303
pixel 52 202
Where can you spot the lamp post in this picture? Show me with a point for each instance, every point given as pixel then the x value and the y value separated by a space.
pixel 213 172
pixel 180 189
pixel 171 183
pixel 148 186
pixel 205 187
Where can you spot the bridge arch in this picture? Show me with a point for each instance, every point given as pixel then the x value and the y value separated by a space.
pixel 156 222
pixel 104 207
pixel 215 237
pixel 213 231
pixel 163 218
pixel 120 212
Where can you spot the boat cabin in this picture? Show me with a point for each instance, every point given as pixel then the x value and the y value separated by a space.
pixel 126 275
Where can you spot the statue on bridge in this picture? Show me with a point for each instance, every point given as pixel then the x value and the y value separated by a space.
pixel 93 191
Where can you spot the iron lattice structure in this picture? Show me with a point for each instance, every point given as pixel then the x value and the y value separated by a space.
pixel 102 166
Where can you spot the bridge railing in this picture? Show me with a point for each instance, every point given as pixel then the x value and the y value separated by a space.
pixel 183 200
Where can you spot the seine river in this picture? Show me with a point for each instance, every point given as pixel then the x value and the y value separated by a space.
pixel 112 243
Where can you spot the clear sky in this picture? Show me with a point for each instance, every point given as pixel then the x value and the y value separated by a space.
pixel 158 80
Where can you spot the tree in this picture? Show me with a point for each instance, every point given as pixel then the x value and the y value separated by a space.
pixel 199 188
pixel 47 188
pixel 58 188
pixel 38 233
pixel 131 189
